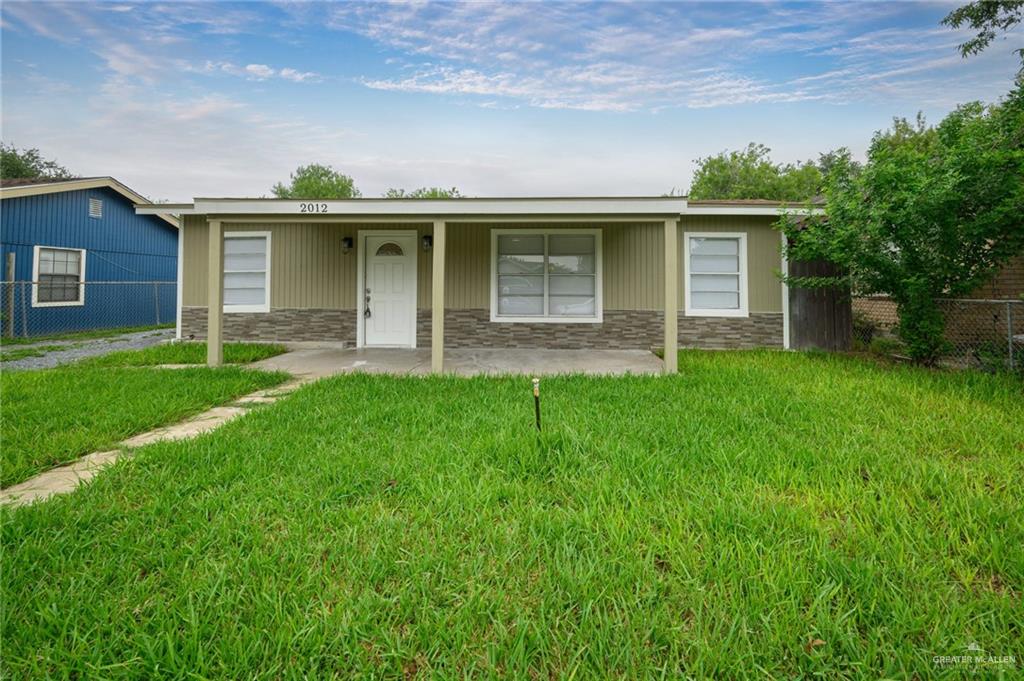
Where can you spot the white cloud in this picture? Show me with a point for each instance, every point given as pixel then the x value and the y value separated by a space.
pixel 298 76
pixel 250 71
pixel 259 71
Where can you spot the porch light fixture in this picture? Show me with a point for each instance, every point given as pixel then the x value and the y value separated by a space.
pixel 346 245
pixel 428 242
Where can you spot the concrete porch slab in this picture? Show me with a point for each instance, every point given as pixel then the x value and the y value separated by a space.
pixel 318 362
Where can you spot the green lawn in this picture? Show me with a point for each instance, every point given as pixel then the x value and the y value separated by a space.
pixel 763 514
pixel 84 335
pixel 184 353
pixel 57 415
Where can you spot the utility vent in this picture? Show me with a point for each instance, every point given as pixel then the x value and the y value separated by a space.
pixel 95 208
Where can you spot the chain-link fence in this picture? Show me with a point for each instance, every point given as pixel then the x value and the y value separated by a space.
pixel 980 334
pixel 51 307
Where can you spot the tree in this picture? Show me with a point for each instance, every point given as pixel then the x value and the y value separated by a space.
pixel 317 181
pixel 424 193
pixel 751 174
pixel 829 160
pixel 28 164
pixel 933 213
pixel 986 17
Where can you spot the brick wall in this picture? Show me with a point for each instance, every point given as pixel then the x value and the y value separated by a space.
pixel 1007 284
pixel 620 330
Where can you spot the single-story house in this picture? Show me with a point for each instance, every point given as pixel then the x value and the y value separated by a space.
pixel 513 272
pixel 80 257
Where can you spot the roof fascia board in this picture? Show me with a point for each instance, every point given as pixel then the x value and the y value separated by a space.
pixel 462 210
pixel 457 207
pixel 751 210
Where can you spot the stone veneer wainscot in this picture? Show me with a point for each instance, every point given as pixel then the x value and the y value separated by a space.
pixel 620 330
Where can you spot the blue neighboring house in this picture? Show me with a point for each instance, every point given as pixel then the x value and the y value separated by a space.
pixel 82 258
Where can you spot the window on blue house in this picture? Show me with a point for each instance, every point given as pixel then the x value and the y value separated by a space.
pixel 58 274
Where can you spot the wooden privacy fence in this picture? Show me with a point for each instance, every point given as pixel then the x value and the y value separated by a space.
pixel 818 317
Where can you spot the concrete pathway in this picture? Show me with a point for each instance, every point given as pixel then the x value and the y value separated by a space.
pixel 317 362
pixel 71 350
pixel 69 476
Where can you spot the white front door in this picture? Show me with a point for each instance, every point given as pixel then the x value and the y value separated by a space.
pixel 389 290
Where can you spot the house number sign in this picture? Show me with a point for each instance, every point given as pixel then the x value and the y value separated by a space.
pixel 312 207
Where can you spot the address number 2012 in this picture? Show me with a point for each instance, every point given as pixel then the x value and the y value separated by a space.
pixel 312 207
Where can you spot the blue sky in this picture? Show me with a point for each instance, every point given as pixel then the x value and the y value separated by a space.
pixel 224 99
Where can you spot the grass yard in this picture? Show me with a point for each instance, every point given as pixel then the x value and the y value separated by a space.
pixel 762 514
pixel 184 353
pixel 57 415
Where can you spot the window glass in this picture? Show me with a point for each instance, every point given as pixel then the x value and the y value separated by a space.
pixel 547 275
pixel 390 248
pixel 245 271
pixel 715 270
pixel 59 273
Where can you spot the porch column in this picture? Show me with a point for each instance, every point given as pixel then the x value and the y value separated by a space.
pixel 215 297
pixel 671 363
pixel 437 301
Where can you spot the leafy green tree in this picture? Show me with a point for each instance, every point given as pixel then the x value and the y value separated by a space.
pixel 751 174
pixel 28 164
pixel 933 213
pixel 828 160
pixel 317 181
pixel 424 193
pixel 987 17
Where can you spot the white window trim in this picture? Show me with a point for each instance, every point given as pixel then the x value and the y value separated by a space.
pixel 265 307
pixel 598 278
pixel 691 311
pixel 35 278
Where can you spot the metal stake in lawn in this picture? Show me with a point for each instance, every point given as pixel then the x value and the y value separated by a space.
pixel 536 401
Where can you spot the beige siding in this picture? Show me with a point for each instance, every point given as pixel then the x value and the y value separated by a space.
pixel 764 256
pixel 307 266
pixel 309 270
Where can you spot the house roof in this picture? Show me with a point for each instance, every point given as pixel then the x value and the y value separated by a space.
pixel 467 208
pixel 749 202
pixel 15 188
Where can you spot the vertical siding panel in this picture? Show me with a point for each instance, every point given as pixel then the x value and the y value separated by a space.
pixel 309 269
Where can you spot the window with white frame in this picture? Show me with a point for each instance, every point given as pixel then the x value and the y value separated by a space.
pixel 247 272
pixel 58 274
pixel 715 267
pixel 543 276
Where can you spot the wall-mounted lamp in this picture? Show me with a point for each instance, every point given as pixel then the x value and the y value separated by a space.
pixel 428 242
pixel 346 245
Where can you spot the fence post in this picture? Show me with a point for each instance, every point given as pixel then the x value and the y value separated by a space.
pixel 1009 331
pixel 9 321
pixel 24 312
pixel 156 300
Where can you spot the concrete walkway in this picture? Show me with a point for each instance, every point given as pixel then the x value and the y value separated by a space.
pixel 320 361
pixel 66 478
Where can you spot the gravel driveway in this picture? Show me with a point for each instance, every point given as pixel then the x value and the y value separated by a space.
pixel 72 350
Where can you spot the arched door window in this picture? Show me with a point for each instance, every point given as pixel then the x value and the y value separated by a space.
pixel 390 248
